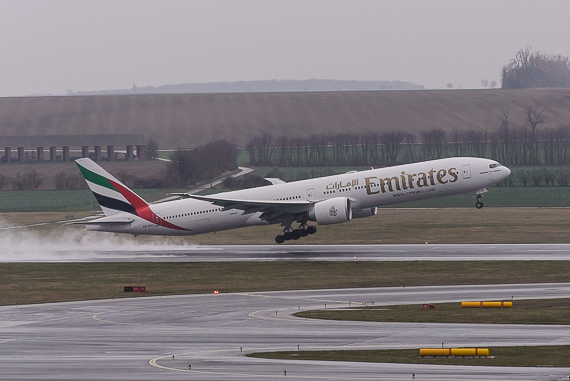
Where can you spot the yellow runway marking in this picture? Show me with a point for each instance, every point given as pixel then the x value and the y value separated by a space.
pixel 153 362
pixel 96 317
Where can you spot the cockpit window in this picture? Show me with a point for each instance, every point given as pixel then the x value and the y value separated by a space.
pixel 495 165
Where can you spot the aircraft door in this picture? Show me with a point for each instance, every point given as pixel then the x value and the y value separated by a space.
pixel 156 218
pixel 311 194
pixel 466 169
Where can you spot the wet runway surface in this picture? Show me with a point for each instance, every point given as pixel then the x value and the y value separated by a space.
pixel 135 339
pixel 126 252
pixel 369 253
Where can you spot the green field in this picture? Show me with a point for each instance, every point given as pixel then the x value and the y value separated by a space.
pixel 56 282
pixel 542 311
pixel 547 356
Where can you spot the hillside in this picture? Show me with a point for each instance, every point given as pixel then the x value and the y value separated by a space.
pixel 265 86
pixel 189 120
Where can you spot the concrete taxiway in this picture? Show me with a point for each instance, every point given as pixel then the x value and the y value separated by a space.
pixel 158 338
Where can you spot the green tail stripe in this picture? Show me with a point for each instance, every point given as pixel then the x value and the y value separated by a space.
pixel 95 178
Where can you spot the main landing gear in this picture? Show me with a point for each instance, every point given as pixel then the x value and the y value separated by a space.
pixel 295 234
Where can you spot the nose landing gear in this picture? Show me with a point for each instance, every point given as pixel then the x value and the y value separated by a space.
pixel 480 192
pixel 294 234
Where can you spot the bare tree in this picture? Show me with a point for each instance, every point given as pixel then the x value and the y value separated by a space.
pixel 458 141
pixel 410 144
pixel 259 150
pixel 318 151
pixel 535 117
pixel 503 141
pixel 391 142
pixel 370 148
pixel 434 142
pixel 476 143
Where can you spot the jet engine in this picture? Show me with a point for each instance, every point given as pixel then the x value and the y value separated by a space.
pixel 331 211
pixel 362 213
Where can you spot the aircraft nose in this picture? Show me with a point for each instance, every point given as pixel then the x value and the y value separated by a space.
pixel 506 171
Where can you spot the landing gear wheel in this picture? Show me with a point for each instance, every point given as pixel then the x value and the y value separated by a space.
pixel 479 204
pixel 296 234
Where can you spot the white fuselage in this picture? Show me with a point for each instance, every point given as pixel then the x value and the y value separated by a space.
pixel 365 189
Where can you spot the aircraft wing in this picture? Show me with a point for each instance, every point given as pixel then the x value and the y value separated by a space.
pixel 270 209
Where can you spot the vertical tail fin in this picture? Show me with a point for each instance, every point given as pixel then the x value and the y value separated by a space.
pixel 112 195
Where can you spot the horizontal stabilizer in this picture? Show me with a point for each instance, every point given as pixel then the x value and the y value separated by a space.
pixel 124 220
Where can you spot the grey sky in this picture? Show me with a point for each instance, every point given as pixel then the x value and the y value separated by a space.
pixel 52 46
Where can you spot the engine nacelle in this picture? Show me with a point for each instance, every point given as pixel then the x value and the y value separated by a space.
pixel 362 213
pixel 333 211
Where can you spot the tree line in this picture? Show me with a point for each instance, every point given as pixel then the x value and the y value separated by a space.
pixel 532 144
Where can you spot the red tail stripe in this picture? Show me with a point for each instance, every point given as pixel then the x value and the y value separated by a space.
pixel 141 206
pixel 131 197
pixel 148 215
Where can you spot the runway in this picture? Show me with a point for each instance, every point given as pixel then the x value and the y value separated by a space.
pixel 428 252
pixel 135 339
pixel 130 250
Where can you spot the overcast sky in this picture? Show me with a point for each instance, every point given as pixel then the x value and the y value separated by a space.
pixel 49 47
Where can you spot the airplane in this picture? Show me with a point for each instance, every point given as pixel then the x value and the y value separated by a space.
pixel 324 200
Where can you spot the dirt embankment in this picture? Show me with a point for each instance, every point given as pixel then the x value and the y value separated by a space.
pixel 191 120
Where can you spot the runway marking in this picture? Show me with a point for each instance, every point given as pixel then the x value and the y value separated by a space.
pixel 153 363
pixel 297 298
pixel 254 314
pixel 96 317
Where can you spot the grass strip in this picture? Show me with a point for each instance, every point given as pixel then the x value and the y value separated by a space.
pixel 556 356
pixel 390 226
pixel 25 283
pixel 541 311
